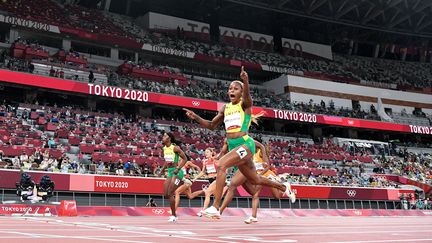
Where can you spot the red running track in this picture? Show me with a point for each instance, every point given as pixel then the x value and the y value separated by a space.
pixel 229 229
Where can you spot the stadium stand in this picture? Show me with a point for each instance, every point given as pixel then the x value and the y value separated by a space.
pixel 165 79
pixel 69 140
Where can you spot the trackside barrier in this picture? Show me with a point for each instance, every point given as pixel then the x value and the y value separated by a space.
pixel 68 208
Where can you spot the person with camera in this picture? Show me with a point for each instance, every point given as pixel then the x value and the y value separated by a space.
pixel 45 188
pixel 25 187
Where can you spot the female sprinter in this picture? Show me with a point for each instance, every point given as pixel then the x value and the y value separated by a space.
pixel 187 184
pixel 262 167
pixel 172 152
pixel 237 117
pixel 210 168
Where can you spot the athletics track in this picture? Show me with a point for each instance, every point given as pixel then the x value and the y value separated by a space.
pixel 193 229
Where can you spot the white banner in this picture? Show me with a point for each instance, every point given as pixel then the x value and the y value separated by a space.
pixel 379 84
pixel 242 34
pixel 161 21
pixel 285 70
pixel 308 47
pixel 29 24
pixel 168 51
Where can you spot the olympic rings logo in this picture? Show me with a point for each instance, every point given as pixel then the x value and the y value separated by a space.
pixel 196 103
pixel 357 212
pixel 158 211
pixel 351 193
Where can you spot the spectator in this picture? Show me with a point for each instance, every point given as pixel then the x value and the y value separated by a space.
pixel 16 163
pixel 52 72
pixel 91 77
pixel 31 67
pixel 135 168
pixel 147 169
pixel 51 143
pixel 24 158
pixel 127 167
pixel 82 169
pixel 61 74
pixel 100 168
pixel 119 170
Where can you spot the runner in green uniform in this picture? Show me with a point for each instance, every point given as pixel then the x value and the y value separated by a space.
pixel 172 155
pixel 237 117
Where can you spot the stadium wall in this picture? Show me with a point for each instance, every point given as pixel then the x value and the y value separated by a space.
pixel 160 21
pixel 229 35
pixel 154 186
pixel 303 89
pixel 312 48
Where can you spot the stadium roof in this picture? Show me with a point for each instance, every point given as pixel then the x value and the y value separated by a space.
pixel 401 17
pixel 392 21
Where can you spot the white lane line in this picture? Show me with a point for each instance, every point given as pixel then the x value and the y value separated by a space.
pixel 330 233
pixel 235 226
pixel 224 227
pixel 65 236
pixel 117 228
pixel 43 229
pixel 30 235
pixel 50 236
pixel 101 226
pixel 290 234
pixel 377 241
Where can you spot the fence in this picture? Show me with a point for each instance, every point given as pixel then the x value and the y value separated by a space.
pixel 139 200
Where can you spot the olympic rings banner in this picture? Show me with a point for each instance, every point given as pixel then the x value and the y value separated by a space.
pixel 144 185
pixel 49 210
pixel 7 76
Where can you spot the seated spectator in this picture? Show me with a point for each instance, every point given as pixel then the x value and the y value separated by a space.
pixel 52 72
pixel 127 167
pixel 91 77
pixel 100 169
pixel 135 168
pixel 51 143
pixel 82 169
pixel 119 170
pixel 65 167
pixel 24 157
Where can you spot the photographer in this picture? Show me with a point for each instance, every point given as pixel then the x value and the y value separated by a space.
pixel 45 188
pixel 24 188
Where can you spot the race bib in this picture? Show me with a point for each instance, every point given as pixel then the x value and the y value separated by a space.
pixel 211 168
pixel 241 152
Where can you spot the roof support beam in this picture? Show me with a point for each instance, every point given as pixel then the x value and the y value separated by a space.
pixel 400 20
pixel 282 3
pixel 422 7
pixel 395 13
pixel 315 5
pixel 423 26
pixel 345 11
